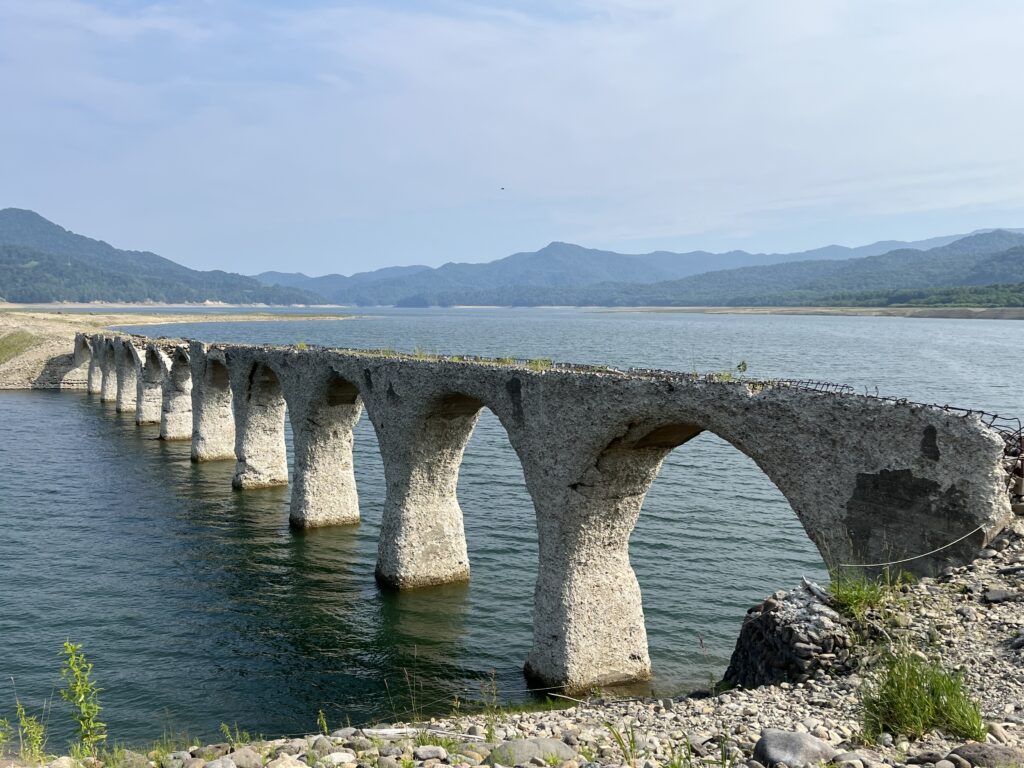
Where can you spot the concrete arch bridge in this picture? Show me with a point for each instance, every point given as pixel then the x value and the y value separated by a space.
pixel 871 480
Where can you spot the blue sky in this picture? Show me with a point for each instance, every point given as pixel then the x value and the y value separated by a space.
pixel 338 137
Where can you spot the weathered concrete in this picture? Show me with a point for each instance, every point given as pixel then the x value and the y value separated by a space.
pixel 259 408
pixel 126 359
pixel 108 370
pixel 176 409
pixel 91 346
pixel 153 366
pixel 871 480
pixel 213 420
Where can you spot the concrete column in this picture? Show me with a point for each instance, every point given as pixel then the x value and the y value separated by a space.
pixel 324 491
pixel 588 613
pixel 259 407
pixel 125 359
pixel 150 386
pixel 422 540
pixel 213 421
pixel 95 381
pixel 108 368
pixel 176 412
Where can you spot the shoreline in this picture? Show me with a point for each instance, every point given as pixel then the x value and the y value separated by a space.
pixel 969 621
pixel 939 312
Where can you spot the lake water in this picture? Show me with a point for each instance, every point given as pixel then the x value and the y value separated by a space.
pixel 199 605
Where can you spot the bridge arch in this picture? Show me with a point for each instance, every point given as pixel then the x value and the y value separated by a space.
pixel 213 419
pixel 176 408
pixel 422 538
pixel 108 371
pixel 260 450
pixel 150 387
pixel 323 408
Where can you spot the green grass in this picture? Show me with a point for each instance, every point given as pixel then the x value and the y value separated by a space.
pixel 912 696
pixel 855 594
pixel 539 364
pixel 428 739
pixel 15 343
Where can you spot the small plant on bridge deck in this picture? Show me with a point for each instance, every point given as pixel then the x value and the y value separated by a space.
pixel 83 694
pixel 539 364
pixel 912 696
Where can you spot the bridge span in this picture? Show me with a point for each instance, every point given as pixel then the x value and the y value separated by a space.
pixel 871 480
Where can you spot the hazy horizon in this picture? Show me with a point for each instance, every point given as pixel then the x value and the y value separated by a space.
pixel 329 137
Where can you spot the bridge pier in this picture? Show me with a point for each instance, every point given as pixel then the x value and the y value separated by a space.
pixel 259 407
pixel 149 392
pixel 94 383
pixel 324 491
pixel 422 537
pixel 213 420
pixel 176 407
pixel 108 368
pixel 127 376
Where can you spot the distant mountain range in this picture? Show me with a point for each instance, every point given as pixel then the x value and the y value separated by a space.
pixel 41 262
pixel 566 274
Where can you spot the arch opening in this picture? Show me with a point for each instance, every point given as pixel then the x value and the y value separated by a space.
pixel 714 536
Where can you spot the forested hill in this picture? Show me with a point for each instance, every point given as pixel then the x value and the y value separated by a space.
pixel 42 262
pixel 989 258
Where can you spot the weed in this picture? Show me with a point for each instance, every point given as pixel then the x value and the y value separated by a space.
pixel 83 694
pixel 171 742
pixel 407 762
pixel 627 743
pixel 682 758
pixel 5 734
pixel 587 753
pixel 489 695
pixel 505 360
pixel 539 364
pixel 552 760
pixel 31 736
pixel 235 738
pixel 321 722
pixel 911 696
pixel 302 345
pixel 855 594
pixel 428 739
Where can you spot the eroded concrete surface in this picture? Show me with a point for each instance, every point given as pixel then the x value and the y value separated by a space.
pixel 871 480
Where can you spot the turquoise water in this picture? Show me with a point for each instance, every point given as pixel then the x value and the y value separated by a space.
pixel 200 606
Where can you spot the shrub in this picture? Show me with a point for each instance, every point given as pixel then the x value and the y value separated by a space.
pixel 912 696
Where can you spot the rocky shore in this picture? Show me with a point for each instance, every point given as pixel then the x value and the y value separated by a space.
pixel 971 619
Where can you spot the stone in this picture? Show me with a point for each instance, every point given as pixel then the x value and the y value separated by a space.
pixel 988 755
pixel 430 751
pixel 995 596
pixel 194 762
pixel 343 733
pixel 221 762
pixel 387 761
pixel 944 764
pixel 520 751
pixel 322 746
pixel 339 757
pixel 286 761
pixel 246 757
pixel 64 762
pixel 794 749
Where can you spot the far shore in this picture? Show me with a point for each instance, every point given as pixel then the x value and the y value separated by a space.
pixel 251 312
